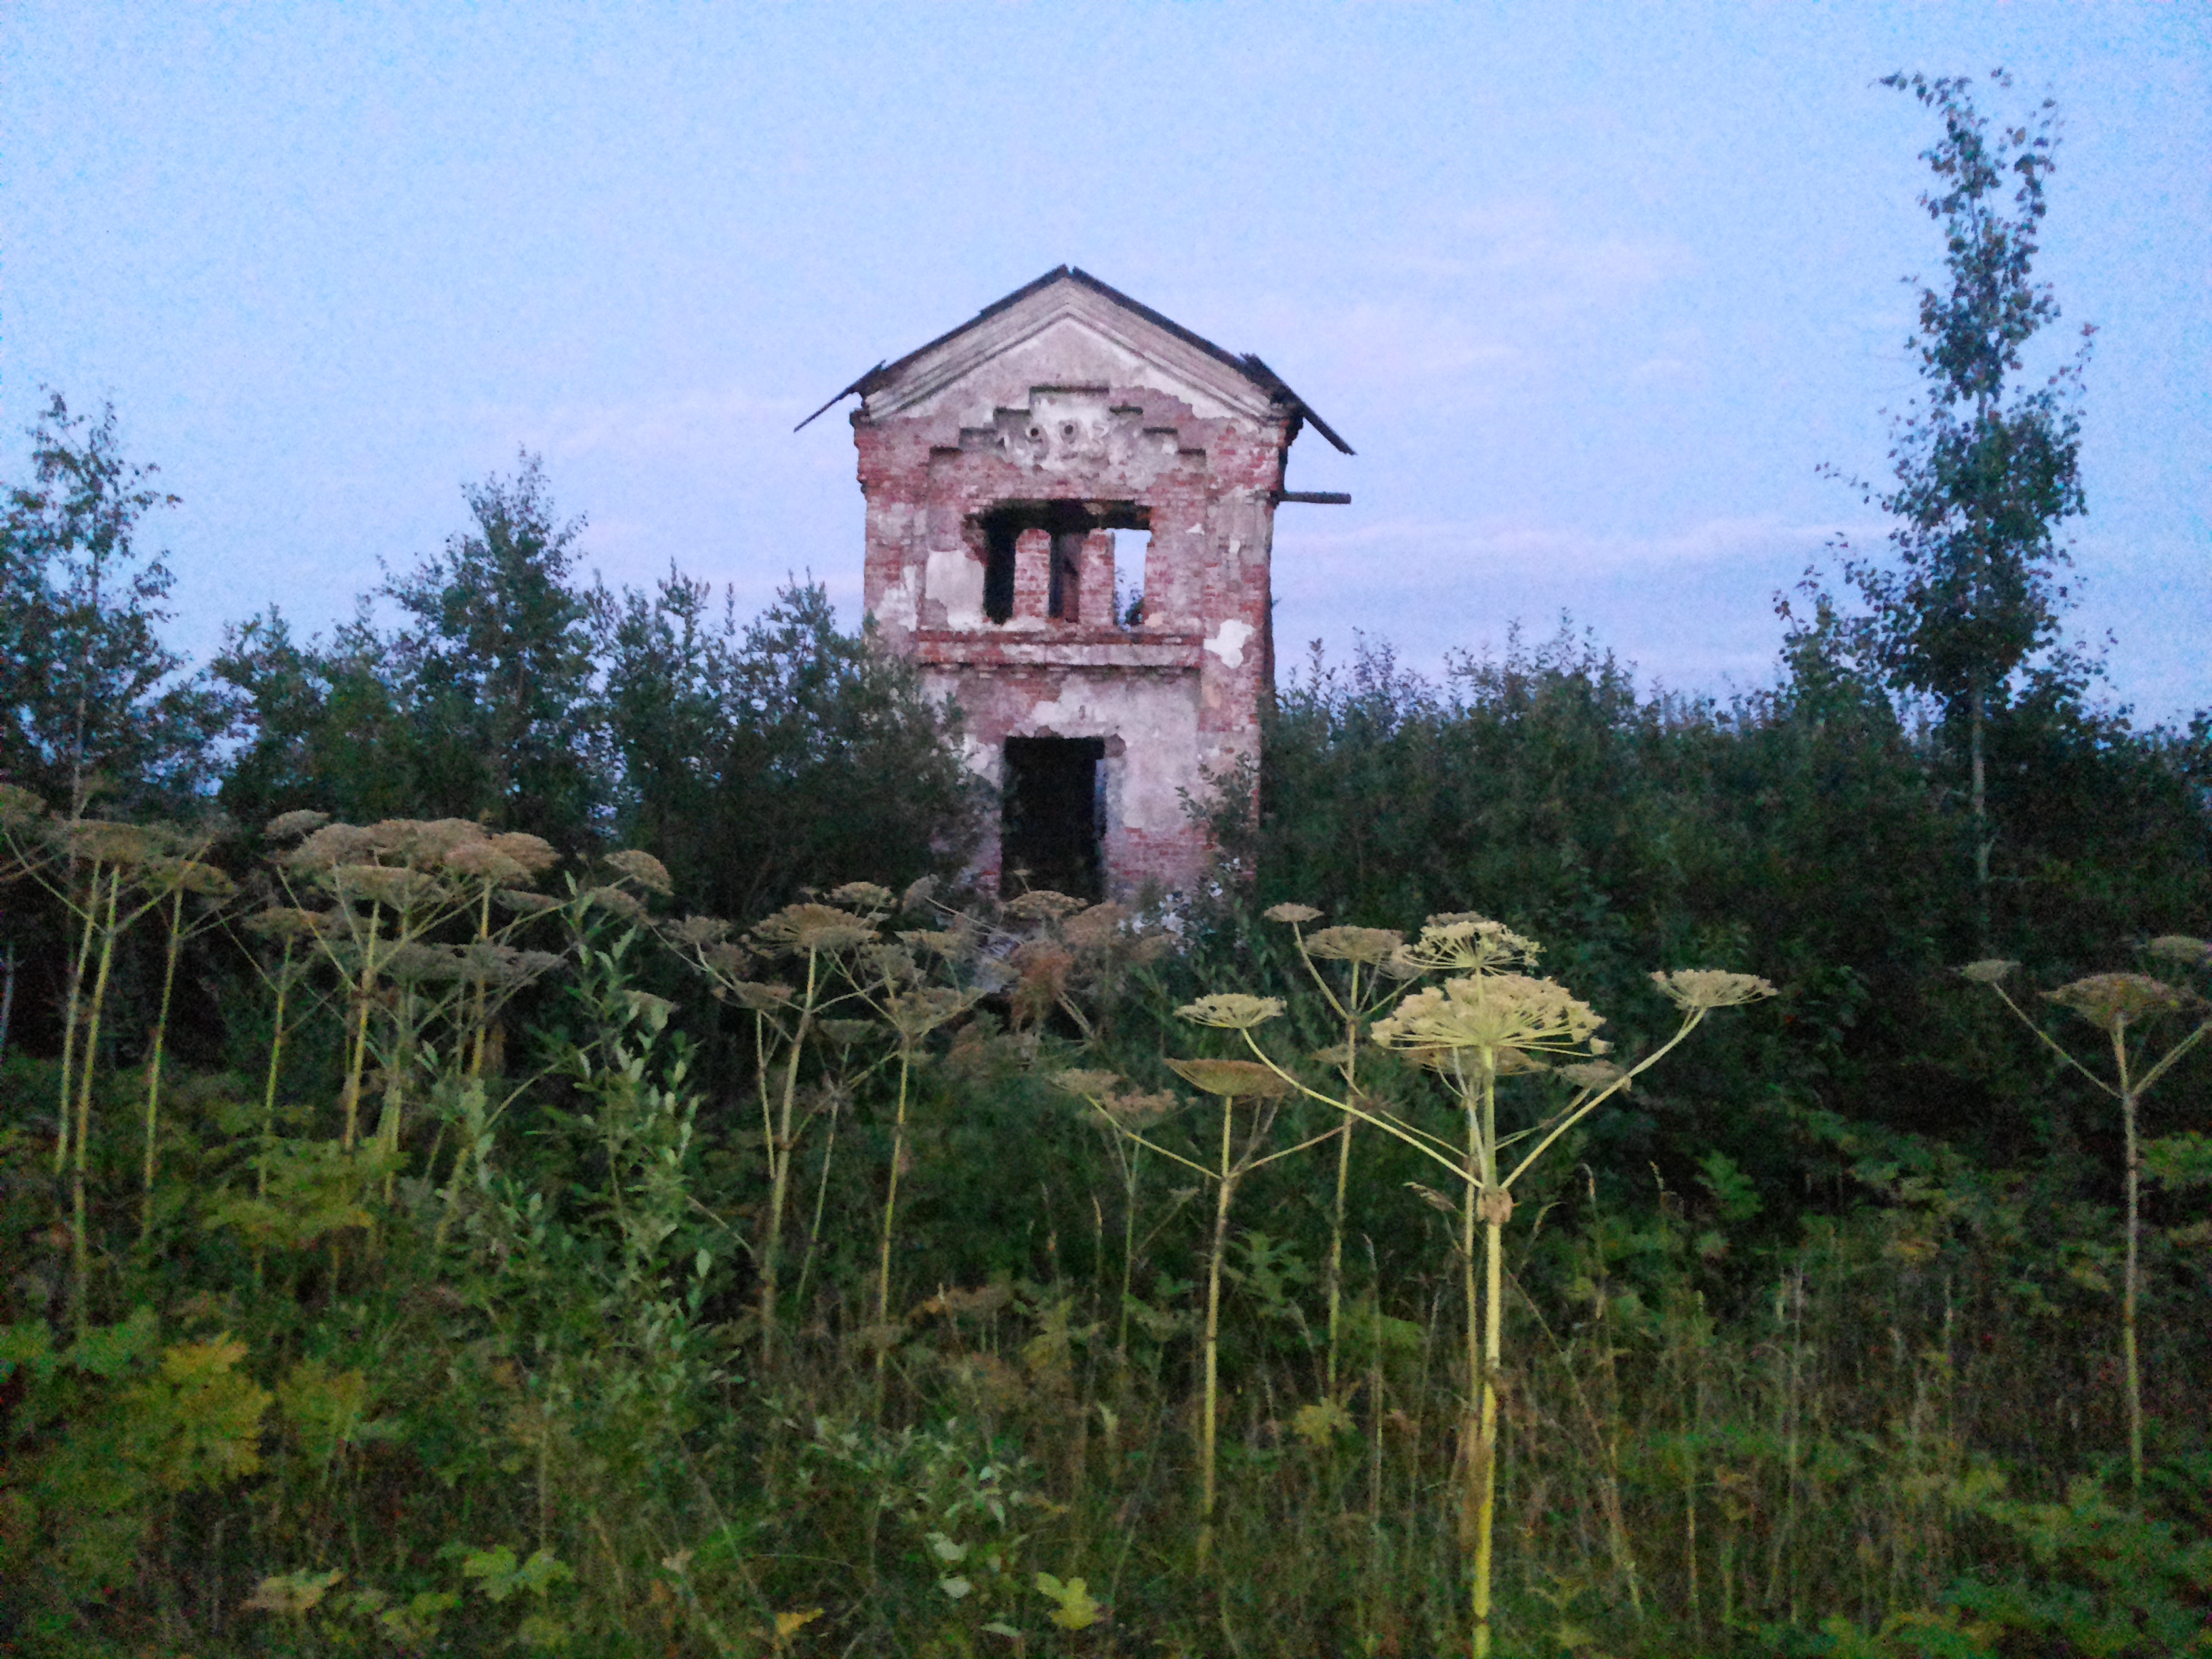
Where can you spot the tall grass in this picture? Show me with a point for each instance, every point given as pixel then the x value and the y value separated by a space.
pixel 464 1321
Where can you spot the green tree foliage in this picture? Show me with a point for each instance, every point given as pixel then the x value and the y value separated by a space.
pixel 759 757
pixel 95 709
pixel 755 757
pixel 325 730
pixel 479 705
pixel 1541 786
pixel 1986 467
pixel 495 656
pixel 1797 833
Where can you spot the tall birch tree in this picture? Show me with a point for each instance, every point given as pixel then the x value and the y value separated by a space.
pixel 1985 463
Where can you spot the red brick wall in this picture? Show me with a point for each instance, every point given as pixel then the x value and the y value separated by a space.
pixel 1208 485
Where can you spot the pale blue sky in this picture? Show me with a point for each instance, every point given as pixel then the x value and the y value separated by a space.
pixel 1592 290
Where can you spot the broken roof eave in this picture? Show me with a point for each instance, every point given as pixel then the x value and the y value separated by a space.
pixel 1248 366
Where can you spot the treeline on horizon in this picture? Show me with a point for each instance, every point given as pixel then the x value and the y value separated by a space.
pixel 1817 829
pixel 755 755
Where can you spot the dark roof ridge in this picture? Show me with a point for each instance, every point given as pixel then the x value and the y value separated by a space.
pixel 1248 365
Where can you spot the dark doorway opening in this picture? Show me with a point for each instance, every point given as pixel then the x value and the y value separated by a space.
pixel 1054 818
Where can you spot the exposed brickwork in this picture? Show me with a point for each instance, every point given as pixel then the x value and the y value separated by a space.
pixel 1032 575
pixel 1061 411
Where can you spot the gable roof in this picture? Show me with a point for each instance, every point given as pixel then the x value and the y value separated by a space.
pixel 1248 367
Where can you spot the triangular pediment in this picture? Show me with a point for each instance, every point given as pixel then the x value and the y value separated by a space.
pixel 1068 330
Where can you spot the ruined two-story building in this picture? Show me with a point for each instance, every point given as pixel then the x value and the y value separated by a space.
pixel 1005 467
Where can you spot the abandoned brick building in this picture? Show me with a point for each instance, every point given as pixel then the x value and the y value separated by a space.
pixel 1006 466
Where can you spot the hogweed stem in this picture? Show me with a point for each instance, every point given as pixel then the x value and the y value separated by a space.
pixel 72 1017
pixel 2128 1294
pixel 890 1213
pixel 154 1063
pixel 2114 1002
pixel 1224 1190
pixel 80 1241
pixel 780 1150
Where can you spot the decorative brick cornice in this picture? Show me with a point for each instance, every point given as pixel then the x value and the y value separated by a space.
pixel 1074 647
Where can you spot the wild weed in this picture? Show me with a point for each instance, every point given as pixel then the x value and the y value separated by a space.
pixel 1489 1020
pixel 2114 1003
pixel 1365 953
pixel 89 864
pixel 173 878
pixel 526 1401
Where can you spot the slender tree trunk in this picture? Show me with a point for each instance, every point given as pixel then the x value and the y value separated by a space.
pixel 78 794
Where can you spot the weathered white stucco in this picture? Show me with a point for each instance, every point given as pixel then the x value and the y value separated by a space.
pixel 1227 642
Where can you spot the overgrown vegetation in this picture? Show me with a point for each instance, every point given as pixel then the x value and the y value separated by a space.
pixel 445 1315
pixel 426 1228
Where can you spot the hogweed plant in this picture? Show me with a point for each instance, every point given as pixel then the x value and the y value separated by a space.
pixel 1367 955
pixel 1260 1088
pixel 912 1012
pixel 1064 955
pixel 379 895
pixel 382 903
pixel 2119 1006
pixel 172 878
pixel 825 938
pixel 1117 1109
pixel 290 929
pixel 1489 1020
pixel 380 914
pixel 907 987
pixel 89 865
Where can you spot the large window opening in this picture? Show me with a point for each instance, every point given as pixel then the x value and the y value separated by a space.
pixel 1069 524
pixel 1129 548
pixel 1054 817
pixel 1064 599
pixel 999 535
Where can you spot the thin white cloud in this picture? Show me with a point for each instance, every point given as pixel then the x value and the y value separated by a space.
pixel 1397 342
pixel 1445 551
pixel 1539 245
pixel 693 422
pixel 1481 305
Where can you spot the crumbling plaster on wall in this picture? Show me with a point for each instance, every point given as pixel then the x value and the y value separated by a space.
pixel 1076 340
pixel 1082 402
pixel 1211 513
pixel 1227 642
pixel 899 605
pixel 952 577
pixel 1154 749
